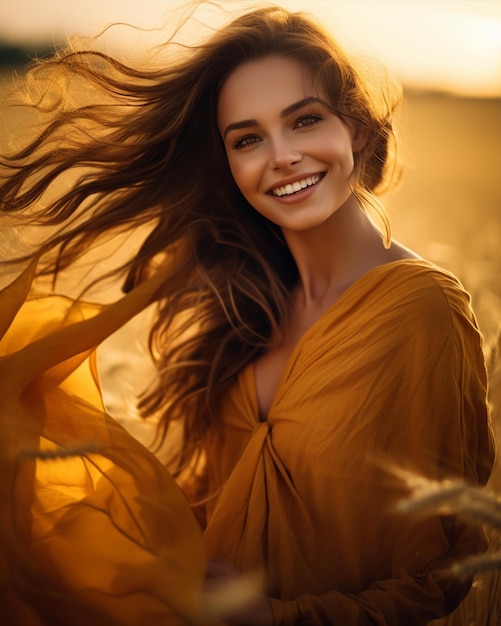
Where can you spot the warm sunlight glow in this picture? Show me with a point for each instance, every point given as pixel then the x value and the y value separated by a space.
pixel 429 45
pixel 451 45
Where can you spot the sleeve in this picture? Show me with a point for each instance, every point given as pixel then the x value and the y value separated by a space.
pixel 438 426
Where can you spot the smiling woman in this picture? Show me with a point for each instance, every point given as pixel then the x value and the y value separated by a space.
pixel 292 138
pixel 305 361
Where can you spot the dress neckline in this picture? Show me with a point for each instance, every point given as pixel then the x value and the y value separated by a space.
pixel 338 302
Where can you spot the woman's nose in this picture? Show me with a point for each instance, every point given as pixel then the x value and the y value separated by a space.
pixel 284 154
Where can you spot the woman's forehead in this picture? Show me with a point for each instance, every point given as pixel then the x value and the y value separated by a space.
pixel 269 83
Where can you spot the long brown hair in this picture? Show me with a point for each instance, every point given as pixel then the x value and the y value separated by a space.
pixel 148 153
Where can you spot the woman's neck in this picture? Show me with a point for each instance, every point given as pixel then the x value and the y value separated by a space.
pixel 333 255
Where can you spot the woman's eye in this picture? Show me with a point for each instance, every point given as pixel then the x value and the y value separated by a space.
pixel 307 120
pixel 245 142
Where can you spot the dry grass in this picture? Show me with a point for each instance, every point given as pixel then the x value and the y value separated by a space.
pixel 481 506
pixel 477 505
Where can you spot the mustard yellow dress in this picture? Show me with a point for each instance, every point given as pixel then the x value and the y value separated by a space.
pixel 390 379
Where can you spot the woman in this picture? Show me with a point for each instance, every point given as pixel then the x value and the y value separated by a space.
pixel 309 359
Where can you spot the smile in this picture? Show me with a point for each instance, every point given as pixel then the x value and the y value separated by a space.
pixel 295 187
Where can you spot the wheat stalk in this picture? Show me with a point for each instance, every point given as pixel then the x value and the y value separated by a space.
pixel 59 453
pixel 478 564
pixel 452 497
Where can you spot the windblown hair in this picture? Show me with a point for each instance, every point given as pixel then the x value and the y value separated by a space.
pixel 147 152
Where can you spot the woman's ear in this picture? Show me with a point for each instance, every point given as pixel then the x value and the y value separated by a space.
pixel 359 136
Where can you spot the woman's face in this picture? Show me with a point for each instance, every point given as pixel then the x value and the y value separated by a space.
pixel 290 157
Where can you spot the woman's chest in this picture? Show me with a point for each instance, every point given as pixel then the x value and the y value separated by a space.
pixel 268 372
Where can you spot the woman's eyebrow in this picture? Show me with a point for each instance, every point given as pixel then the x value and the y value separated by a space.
pixel 239 125
pixel 302 103
pixel 287 111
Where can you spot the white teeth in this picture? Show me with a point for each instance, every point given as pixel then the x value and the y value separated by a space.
pixel 296 186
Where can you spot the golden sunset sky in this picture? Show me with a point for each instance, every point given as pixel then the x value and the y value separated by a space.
pixel 451 45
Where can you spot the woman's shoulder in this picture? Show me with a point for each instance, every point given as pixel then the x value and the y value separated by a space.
pixel 406 265
pixel 407 286
pixel 425 299
pixel 402 270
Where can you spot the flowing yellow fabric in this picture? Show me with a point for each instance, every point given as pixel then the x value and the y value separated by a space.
pixel 95 531
pixel 392 376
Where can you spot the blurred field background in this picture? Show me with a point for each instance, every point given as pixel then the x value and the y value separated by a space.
pixel 447 206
